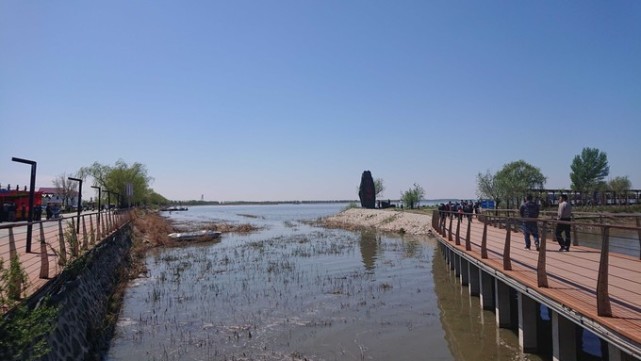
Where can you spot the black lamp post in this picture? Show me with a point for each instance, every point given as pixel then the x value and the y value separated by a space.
pixel 79 201
pixel 32 186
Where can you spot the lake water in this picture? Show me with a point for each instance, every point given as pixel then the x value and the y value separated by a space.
pixel 296 291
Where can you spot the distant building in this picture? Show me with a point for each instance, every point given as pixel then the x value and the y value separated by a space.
pixel 55 196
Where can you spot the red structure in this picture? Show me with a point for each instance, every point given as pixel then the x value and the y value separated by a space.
pixel 14 204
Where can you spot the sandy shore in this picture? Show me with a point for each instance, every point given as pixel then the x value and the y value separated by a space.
pixel 382 219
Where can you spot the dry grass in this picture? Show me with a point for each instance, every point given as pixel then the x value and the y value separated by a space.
pixel 152 230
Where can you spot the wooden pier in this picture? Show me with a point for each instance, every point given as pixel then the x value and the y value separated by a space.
pixel 590 288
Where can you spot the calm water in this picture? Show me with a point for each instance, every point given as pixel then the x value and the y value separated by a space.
pixel 293 291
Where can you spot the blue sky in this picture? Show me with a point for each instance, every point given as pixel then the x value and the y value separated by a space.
pixel 293 100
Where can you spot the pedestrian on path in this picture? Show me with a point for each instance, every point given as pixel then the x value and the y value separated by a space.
pixel 565 215
pixel 530 210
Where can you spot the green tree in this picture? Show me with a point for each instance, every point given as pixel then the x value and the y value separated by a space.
pixel 620 186
pixel 116 178
pixel 379 188
pixel 487 187
pixel 412 196
pixel 589 170
pixel 156 199
pixel 516 179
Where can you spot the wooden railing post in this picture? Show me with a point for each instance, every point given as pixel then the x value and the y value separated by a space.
pixel 92 232
pixel 74 245
pixel 106 227
pixel 639 234
pixel 13 252
pixel 44 258
pixel 484 242
pixel 507 262
pixel 15 283
pixel 62 257
pixel 602 294
pixel 85 245
pixel 541 272
pixel 458 231
pixel 435 221
pixel 449 233
pixel 468 242
pixel 98 221
pixel 575 239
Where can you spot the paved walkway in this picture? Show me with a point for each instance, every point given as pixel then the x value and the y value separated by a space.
pixel 46 246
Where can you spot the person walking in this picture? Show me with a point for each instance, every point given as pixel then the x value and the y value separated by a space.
pixel 49 211
pixel 529 210
pixel 565 215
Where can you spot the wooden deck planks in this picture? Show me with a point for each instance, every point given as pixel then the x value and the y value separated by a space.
pixel 572 276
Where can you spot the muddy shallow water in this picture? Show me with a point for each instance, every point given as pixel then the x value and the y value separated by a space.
pixel 293 291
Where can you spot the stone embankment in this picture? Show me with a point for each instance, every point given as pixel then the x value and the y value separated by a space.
pixel 82 298
pixel 382 219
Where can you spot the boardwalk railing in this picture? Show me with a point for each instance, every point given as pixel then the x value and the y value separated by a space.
pixel 56 243
pixel 617 233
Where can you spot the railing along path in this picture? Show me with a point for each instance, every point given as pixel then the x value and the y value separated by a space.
pixel 54 244
pixel 591 279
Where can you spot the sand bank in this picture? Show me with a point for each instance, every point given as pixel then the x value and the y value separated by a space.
pixel 382 219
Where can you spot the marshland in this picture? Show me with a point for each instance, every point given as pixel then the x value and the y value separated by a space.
pixel 294 290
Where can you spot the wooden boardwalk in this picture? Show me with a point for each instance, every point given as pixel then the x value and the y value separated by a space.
pixel 572 276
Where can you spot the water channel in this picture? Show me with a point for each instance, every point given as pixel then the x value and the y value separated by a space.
pixel 295 291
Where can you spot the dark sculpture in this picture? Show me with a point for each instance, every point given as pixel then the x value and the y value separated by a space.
pixel 366 191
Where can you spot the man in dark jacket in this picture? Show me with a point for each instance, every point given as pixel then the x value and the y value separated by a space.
pixel 530 210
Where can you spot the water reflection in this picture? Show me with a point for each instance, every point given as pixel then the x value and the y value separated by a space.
pixel 369 248
pixel 621 241
pixel 471 333
pixel 290 291
pixel 411 247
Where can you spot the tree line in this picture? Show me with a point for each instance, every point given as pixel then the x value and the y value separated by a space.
pixel 588 172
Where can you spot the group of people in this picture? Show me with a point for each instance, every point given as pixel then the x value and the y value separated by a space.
pixel 458 209
pixel 529 210
pixel 52 211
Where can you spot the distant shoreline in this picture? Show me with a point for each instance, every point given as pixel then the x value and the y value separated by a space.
pixel 423 202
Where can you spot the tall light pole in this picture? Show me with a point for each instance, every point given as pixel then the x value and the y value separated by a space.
pixel 32 187
pixel 79 201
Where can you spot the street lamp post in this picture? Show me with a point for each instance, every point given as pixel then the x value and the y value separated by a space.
pixel 79 201
pixel 32 186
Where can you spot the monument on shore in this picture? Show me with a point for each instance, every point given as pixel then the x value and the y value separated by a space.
pixel 366 191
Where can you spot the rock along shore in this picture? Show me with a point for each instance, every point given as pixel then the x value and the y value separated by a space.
pixel 382 219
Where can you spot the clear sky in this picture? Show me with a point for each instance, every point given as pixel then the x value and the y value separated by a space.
pixel 293 100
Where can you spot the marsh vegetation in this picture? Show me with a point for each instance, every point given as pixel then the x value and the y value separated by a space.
pixel 289 291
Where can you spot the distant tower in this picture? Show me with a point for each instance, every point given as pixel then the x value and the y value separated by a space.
pixel 202 197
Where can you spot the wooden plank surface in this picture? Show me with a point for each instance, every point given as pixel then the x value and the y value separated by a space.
pixel 572 276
